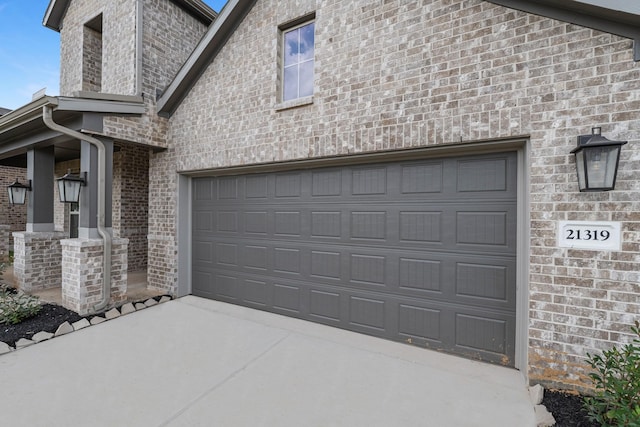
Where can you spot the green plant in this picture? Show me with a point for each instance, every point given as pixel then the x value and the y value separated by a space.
pixel 616 377
pixel 16 307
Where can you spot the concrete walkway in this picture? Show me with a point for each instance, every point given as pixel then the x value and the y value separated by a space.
pixel 196 362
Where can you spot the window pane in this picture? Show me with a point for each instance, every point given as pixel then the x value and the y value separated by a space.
pixel 306 79
pixel 291 82
pixel 306 42
pixel 291 47
pixel 298 62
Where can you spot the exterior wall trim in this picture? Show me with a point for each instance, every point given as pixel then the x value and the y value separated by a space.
pixel 184 235
pixel 445 150
pixel 523 255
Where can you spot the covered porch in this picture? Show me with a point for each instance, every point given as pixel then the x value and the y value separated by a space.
pixel 81 253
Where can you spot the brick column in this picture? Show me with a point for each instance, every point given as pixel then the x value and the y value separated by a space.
pixel 82 273
pixel 36 259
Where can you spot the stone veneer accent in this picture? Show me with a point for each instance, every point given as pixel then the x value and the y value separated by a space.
pixel 403 74
pixel 37 260
pixel 82 273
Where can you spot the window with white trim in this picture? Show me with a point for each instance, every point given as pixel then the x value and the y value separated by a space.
pixel 297 61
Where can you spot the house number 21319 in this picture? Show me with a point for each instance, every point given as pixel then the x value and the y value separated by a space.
pixel 577 234
pixel 597 235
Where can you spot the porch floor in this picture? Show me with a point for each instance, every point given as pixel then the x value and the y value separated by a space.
pixel 136 287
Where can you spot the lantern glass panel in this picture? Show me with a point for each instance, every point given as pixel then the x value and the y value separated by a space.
pixel 582 179
pixel 17 195
pixel 69 190
pixel 601 166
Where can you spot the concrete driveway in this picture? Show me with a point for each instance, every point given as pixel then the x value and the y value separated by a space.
pixel 196 362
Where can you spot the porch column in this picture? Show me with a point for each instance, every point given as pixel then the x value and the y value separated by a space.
pixel 88 227
pixel 40 170
pixel 37 251
pixel 82 257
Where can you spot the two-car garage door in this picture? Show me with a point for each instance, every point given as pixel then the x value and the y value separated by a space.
pixel 416 251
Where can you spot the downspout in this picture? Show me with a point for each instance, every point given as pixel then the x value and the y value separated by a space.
pixel 47 117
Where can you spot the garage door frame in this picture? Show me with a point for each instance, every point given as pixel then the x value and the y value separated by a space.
pixel 520 145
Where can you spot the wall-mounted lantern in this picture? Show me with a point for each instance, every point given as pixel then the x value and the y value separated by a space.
pixel 18 192
pixel 597 161
pixel 69 187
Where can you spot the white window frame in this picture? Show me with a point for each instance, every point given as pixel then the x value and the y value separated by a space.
pixel 284 32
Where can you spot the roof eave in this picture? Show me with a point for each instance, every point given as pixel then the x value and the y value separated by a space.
pixel 116 105
pixel 25 114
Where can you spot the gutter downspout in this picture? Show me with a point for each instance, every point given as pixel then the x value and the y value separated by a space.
pixel 47 117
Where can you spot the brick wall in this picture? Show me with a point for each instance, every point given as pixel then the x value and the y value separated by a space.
pixel 403 74
pixel 131 201
pixel 13 216
pixel 169 36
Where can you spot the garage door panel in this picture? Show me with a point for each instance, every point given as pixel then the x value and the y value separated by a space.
pixel 420 323
pixel 367 312
pixel 421 178
pixel 419 251
pixel 325 305
pixel 256 292
pixel 287 298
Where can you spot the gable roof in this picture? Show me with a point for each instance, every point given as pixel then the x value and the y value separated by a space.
pixel 3 111
pixel 57 8
pixel 612 16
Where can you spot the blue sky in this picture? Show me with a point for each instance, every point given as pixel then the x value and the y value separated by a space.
pixel 30 53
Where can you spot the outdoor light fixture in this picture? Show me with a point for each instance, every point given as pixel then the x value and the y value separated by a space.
pixel 597 161
pixel 69 187
pixel 18 192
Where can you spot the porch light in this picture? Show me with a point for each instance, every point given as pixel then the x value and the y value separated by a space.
pixel 69 187
pixel 18 192
pixel 597 161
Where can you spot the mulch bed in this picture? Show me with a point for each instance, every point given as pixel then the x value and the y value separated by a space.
pixel 48 319
pixel 567 409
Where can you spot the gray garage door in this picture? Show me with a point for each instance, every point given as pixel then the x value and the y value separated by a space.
pixel 416 251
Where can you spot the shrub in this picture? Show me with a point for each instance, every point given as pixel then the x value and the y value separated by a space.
pixel 16 307
pixel 616 377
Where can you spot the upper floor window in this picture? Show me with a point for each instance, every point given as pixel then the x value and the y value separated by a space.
pixel 298 51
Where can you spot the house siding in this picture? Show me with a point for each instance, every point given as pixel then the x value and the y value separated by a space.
pixel 402 75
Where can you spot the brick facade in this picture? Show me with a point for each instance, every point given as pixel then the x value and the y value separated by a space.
pixel 131 201
pixel 13 216
pixel 400 75
pixel 82 273
pixel 37 260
